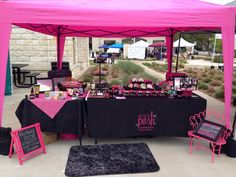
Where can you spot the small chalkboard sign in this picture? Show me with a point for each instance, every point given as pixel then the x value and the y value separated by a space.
pixel 28 142
pixel 209 130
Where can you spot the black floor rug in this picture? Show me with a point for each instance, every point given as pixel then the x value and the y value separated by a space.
pixel 106 159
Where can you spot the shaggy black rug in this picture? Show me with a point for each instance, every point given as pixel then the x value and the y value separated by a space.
pixel 90 160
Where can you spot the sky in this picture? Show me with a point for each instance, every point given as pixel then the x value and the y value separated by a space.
pixel 218 1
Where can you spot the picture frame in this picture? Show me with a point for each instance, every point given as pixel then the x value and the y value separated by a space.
pixel 209 130
pixel 46 84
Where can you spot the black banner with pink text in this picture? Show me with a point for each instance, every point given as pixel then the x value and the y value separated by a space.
pixel 141 116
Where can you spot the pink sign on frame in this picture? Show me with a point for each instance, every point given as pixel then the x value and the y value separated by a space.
pixel 28 142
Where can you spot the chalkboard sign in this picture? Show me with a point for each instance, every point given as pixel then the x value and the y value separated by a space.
pixel 28 142
pixel 209 130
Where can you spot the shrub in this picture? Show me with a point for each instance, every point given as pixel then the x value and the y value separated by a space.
pixel 91 62
pixel 206 80
pixel 115 67
pixel 130 68
pixel 181 65
pixel 220 93
pixel 88 78
pixel 234 90
pixel 115 74
pixel 181 60
pixel 211 90
pixel 220 78
pixel 149 77
pixel 234 82
pixel 202 86
pixel 147 64
pixel 105 67
pixel 103 78
pixel 125 80
pixel 211 72
pixel 218 59
pixel 156 66
pixel 215 83
pixel 204 74
pixel 190 70
pixel 116 82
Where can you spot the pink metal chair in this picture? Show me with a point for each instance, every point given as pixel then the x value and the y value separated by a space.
pixel 212 116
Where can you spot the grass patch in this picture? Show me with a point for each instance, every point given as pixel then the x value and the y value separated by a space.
pixel 234 82
pixel 234 90
pixel 203 86
pixel 91 62
pixel 149 77
pixel 220 77
pixel 125 80
pixel 130 68
pixel 156 66
pixel 88 78
pixel 116 82
pixel 181 65
pixel 215 83
pixel 218 59
pixel 206 80
pixel 219 93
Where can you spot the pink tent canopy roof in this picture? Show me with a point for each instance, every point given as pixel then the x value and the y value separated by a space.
pixel 157 44
pixel 112 18
pixel 118 18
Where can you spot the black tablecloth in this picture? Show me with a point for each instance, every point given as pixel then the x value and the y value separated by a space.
pixel 68 120
pixel 136 116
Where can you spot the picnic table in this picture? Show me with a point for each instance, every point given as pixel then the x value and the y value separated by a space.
pixel 19 76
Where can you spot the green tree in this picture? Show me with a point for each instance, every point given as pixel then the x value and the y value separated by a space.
pixel 204 42
pixel 218 46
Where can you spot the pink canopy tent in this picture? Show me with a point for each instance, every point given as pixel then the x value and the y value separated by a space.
pixel 157 44
pixel 102 18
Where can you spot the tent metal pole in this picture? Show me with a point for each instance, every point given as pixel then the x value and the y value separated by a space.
pixel 213 53
pixel 58 48
pixel 177 59
pixel 171 50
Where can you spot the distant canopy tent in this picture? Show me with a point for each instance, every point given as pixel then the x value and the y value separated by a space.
pixel 184 43
pixel 116 46
pixel 140 44
pixel 138 50
pixel 113 50
pixel 132 40
pixel 158 44
pixel 102 18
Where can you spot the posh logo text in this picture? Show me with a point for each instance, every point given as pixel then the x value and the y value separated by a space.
pixel 146 122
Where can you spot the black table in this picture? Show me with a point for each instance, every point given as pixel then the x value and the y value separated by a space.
pixel 141 116
pixel 16 71
pixel 68 120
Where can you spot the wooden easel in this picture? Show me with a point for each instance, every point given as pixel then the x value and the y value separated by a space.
pixel 28 142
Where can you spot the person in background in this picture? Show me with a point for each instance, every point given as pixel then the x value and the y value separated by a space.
pixel 113 57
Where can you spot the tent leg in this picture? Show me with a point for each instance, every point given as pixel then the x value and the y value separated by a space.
pixel 5 31
pixel 60 49
pixel 169 45
pixel 177 59
pixel 228 54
